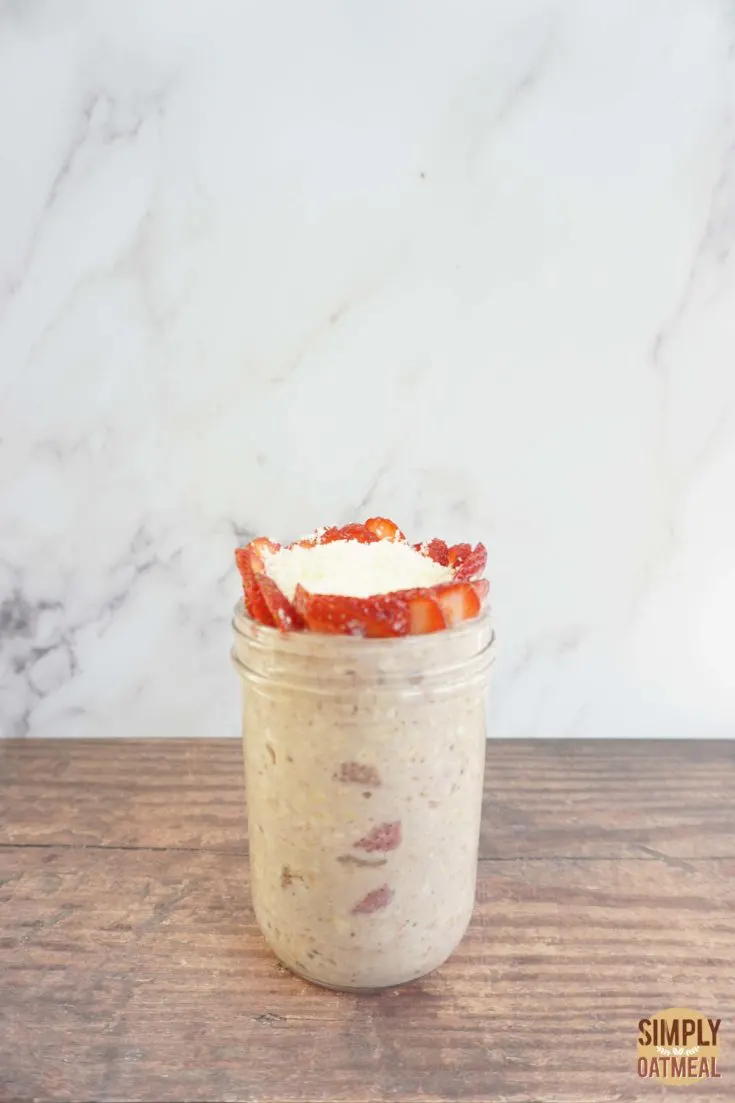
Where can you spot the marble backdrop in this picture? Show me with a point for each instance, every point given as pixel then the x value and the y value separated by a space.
pixel 270 265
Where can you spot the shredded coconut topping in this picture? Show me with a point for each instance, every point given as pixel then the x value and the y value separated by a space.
pixel 353 569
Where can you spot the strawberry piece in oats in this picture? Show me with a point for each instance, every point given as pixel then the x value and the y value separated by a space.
pixel 374 901
pixel 359 773
pixel 384 837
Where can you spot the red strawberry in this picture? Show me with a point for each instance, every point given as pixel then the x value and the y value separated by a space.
pixel 354 531
pixel 384 529
pixel 457 554
pixel 458 601
pixel 280 608
pixel 481 586
pixel 242 561
pixel 380 615
pixel 257 547
pixel 358 772
pixel 378 898
pixel 471 565
pixel 254 601
pixel 384 837
pixel 424 614
pixel 404 612
pixel 301 599
pixel 438 551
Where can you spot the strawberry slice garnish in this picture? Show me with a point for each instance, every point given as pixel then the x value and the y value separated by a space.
pixel 256 549
pixel 254 600
pixel 457 554
pixel 436 549
pixel 355 531
pixel 358 772
pixel 424 614
pixel 250 562
pixel 377 616
pixel 301 600
pixel 283 613
pixel 458 601
pixel 481 587
pixel 328 535
pixel 242 561
pixel 402 613
pixel 384 529
pixel 472 564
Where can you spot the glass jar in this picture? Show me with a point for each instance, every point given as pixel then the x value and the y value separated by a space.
pixel 364 767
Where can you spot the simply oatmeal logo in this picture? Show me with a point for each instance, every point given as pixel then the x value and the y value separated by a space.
pixel 678 1046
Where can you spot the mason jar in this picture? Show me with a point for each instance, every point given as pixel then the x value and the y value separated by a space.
pixel 364 766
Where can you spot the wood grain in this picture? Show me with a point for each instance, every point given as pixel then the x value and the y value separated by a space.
pixel 139 975
pixel 569 798
pixel 131 967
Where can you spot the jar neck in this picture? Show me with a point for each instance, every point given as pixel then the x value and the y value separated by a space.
pixel 453 660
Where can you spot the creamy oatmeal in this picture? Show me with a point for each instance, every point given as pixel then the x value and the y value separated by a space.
pixel 364 764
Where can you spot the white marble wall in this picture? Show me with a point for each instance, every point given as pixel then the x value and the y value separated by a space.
pixel 268 265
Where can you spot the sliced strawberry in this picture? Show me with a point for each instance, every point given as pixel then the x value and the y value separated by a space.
pixel 301 599
pixel 361 533
pixel 242 561
pixel 256 549
pixel 254 601
pixel 404 612
pixel 377 616
pixel 256 605
pixel 473 564
pixel 457 554
pixel 374 901
pixel 358 772
pixel 280 608
pixel 458 601
pixel 481 586
pixel 424 614
pixel 384 837
pixel 384 529
pixel 438 551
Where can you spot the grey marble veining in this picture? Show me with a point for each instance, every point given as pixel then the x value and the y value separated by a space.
pixel 269 266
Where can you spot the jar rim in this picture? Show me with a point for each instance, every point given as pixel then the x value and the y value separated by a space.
pixel 245 625
pixel 317 662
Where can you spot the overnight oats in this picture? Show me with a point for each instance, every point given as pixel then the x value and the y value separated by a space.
pixel 364 663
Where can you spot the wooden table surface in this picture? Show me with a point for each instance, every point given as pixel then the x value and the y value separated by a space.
pixel 131 968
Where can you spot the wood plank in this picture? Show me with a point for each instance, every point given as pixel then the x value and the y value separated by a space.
pixel 140 975
pixel 575 798
pixel 156 793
